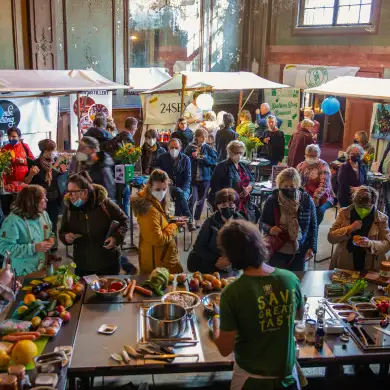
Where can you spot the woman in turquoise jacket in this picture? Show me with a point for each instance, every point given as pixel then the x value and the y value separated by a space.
pixel 26 233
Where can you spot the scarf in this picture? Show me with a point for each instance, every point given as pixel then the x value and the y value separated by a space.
pixel 358 253
pixel 290 207
pixel 47 166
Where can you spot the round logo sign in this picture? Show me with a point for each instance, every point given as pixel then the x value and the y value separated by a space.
pixel 316 76
pixel 11 115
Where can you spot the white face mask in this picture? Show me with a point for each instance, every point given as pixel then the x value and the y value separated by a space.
pixel 81 156
pixel 174 153
pixel 311 160
pixel 151 142
pixel 159 195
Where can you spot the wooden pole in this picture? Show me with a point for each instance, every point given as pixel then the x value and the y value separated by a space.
pixel 183 91
pixel 240 105
pixel 79 114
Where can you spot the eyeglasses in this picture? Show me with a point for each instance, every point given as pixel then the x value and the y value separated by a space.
pixel 73 192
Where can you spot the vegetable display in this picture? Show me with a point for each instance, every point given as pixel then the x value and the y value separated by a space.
pixel 158 281
pixel 358 286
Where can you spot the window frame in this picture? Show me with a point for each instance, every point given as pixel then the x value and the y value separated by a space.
pixel 337 29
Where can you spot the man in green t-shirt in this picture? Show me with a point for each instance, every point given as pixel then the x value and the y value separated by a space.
pixel 257 313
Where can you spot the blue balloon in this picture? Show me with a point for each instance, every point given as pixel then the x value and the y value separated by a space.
pixel 330 106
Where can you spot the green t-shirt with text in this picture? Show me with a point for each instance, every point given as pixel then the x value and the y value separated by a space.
pixel 262 310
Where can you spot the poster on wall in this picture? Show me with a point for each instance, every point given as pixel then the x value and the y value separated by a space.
pixel 91 103
pixel 381 121
pixel 284 104
pixel 32 116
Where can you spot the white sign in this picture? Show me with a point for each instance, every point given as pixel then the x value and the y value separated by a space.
pixel 162 108
pixel 91 103
pixel 284 104
pixel 32 116
pixel 310 76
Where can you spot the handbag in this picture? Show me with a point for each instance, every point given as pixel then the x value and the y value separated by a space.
pixel 274 243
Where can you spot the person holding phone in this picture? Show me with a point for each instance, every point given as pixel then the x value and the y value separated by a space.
pixel 86 221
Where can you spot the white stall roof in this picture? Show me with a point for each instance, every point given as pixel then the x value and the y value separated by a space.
pixel 217 81
pixel 142 79
pixel 355 87
pixel 54 81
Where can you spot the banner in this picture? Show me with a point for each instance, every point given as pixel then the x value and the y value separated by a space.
pixel 284 104
pixel 310 76
pixel 163 108
pixel 90 104
pixel 35 117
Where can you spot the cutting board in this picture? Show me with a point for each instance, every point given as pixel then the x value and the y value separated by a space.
pixel 374 277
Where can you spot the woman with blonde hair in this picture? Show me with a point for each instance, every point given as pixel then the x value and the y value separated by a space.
pixel 289 220
pixel 362 138
pixel 157 245
pixel 274 140
pixel 210 122
pixel 232 173
pixel 245 127
pixel 361 233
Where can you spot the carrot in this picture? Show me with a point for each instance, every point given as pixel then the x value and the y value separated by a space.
pixel 37 334
pixel 127 289
pixel 15 339
pixel 143 291
pixel 131 290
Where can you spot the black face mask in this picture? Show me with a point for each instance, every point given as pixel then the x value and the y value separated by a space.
pixel 355 141
pixel 227 212
pixel 289 193
pixel 355 158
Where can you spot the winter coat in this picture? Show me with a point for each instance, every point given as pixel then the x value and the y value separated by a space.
pixel 297 147
pixel 206 164
pixel 19 170
pixel 246 129
pixel 222 139
pixel 157 245
pixel 338 235
pixel 261 121
pixel 307 219
pixel 275 146
pixel 19 236
pixel 226 176
pixel 101 172
pixel 186 136
pixel 178 171
pixel 149 157
pixel 205 253
pixel 93 221
pixel 346 179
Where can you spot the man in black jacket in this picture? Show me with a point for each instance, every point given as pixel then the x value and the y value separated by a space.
pixel 224 136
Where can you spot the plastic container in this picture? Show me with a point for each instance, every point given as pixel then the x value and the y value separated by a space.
pixel 13 326
pixel 50 326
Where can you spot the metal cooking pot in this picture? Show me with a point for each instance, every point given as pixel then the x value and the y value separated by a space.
pixel 167 320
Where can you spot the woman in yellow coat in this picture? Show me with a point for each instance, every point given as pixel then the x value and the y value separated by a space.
pixel 157 245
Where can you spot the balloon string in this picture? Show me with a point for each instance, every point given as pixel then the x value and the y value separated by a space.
pixel 342 119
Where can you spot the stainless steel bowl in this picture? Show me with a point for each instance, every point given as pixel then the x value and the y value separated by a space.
pixel 100 283
pixel 167 320
pixel 209 300
pixel 166 298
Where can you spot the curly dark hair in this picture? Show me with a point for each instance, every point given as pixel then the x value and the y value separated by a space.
pixel 47 145
pixel 243 244
pixel 26 203
pixel 14 129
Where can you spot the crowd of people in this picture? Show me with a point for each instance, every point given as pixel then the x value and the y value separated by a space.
pixel 185 174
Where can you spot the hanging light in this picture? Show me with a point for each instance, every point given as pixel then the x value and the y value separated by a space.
pixel 205 101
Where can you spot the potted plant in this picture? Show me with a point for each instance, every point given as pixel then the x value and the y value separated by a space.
pixel 128 154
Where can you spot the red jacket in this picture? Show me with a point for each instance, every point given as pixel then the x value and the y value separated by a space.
pixel 19 169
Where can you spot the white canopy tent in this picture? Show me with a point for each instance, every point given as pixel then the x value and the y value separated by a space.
pixel 143 79
pixel 355 87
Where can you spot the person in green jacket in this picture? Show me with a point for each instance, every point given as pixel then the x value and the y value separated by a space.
pixel 246 128
pixel 27 232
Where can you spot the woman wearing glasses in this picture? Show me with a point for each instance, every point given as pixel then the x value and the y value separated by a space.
pixel 88 224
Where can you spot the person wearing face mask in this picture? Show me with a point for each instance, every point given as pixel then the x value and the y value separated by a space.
pixel 232 173
pixel 27 232
pixel 289 213
pixel 361 233
pixel 183 133
pixel 316 180
pixel 205 256
pixel 98 164
pixel 178 167
pixel 157 245
pixel 273 138
pixel 44 172
pixel 151 151
pixel 203 159
pixel 351 174
pixel 87 224
pixel 298 143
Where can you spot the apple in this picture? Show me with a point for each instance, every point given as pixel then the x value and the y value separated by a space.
pixel 194 285
pixel 181 278
pixel 65 316
pixel 60 308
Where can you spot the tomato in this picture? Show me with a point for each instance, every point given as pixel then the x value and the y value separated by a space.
pixel 112 290
pixel 116 286
pixel 103 290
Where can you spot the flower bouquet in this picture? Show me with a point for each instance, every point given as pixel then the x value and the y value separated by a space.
pixel 128 154
pixel 251 145
pixel 368 158
pixel 5 166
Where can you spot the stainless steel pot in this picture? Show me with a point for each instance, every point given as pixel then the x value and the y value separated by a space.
pixel 167 320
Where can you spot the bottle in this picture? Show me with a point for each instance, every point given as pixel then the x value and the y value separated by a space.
pixel 320 334
pixel 305 309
